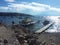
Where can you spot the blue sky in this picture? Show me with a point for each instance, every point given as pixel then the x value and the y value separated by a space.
pixel 33 7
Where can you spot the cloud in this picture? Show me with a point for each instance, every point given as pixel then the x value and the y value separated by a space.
pixel 40 5
pixel 34 6
pixel 55 9
pixel 4 8
pixel 31 8
pixel 10 0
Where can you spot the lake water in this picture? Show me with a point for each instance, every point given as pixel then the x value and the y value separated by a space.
pixel 55 28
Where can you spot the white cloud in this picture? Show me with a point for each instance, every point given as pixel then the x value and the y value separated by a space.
pixel 4 8
pixel 55 9
pixel 29 6
pixel 40 5
pixel 10 0
pixel 32 7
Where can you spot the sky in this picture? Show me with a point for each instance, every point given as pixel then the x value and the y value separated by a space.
pixel 32 7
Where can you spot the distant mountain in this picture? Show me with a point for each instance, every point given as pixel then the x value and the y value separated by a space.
pixel 8 17
pixel 13 14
